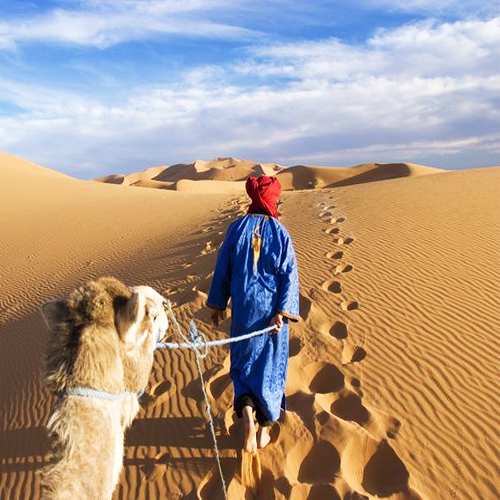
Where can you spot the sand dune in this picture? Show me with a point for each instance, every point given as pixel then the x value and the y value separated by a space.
pixel 12 164
pixel 150 183
pixel 307 177
pixel 393 381
pixel 137 178
pixel 408 299
pixel 291 178
pixel 222 169
pixel 112 179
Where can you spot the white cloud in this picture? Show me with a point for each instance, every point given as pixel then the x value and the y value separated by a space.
pixel 105 23
pixel 422 49
pixel 426 91
pixel 392 152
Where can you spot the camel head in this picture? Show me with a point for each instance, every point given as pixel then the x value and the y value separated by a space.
pixel 103 336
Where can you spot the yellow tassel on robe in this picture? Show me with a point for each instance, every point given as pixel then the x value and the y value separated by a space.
pixel 257 245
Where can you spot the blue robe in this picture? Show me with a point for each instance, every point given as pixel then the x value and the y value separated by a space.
pixel 257 269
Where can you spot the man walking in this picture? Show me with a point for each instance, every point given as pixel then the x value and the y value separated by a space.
pixel 256 267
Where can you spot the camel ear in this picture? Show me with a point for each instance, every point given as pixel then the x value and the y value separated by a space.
pixel 128 317
pixel 55 313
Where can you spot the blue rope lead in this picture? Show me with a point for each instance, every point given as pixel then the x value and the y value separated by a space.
pixel 202 343
pixel 197 342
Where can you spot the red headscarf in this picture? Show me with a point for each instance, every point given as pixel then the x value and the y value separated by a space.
pixel 264 192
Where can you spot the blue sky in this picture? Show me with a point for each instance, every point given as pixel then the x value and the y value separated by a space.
pixel 91 87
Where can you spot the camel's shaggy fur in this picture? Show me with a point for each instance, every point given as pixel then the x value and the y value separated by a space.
pixel 103 338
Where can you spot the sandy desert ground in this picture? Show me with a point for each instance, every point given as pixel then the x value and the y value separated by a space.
pixel 393 385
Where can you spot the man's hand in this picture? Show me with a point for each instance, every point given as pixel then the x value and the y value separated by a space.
pixel 278 322
pixel 217 315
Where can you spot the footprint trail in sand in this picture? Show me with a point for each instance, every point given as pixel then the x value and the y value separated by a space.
pixel 330 442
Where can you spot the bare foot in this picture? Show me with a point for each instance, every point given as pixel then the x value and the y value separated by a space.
pixel 250 434
pixel 263 437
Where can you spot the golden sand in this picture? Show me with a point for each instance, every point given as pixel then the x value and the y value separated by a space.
pixel 393 382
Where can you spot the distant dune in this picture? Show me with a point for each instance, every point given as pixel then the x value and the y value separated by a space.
pixel 221 170
pixel 151 183
pixel 292 178
pixel 392 388
pixel 305 177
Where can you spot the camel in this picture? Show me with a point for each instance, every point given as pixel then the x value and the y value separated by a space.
pixel 103 338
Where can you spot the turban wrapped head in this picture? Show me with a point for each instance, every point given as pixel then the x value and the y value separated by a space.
pixel 264 192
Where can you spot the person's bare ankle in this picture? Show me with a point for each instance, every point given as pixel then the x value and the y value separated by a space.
pixel 263 437
pixel 250 445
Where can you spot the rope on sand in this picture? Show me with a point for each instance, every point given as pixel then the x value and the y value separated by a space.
pixel 198 343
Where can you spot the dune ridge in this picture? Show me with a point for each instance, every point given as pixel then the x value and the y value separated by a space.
pixel 230 170
pixel 221 170
pixel 10 163
pixel 392 388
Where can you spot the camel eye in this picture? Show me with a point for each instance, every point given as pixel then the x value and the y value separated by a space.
pixel 150 312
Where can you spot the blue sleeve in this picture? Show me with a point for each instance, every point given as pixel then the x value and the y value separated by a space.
pixel 220 289
pixel 288 300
